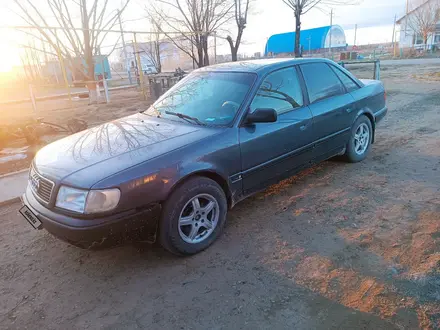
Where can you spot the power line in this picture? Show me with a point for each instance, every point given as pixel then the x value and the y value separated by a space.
pixel 55 28
pixel 134 19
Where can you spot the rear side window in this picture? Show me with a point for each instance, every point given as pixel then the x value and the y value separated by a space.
pixel 321 81
pixel 349 84
pixel 281 91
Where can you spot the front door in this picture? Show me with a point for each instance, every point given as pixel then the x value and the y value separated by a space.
pixel 271 151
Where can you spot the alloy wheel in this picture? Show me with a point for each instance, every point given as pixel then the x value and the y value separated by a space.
pixel 198 218
pixel 361 139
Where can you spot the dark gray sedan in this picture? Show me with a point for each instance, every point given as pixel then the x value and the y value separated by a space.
pixel 220 135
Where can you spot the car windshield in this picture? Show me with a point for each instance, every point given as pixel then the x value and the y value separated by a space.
pixel 205 98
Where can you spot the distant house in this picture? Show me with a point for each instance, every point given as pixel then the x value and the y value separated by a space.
pixel 409 31
pixel 52 69
pixel 170 55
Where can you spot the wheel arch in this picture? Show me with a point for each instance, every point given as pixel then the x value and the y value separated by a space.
pixel 210 174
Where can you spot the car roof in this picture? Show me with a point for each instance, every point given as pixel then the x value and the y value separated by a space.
pixel 260 66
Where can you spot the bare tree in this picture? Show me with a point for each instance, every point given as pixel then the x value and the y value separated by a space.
pixel 71 43
pixel 240 13
pixel 30 60
pixel 302 7
pixel 191 23
pixel 423 19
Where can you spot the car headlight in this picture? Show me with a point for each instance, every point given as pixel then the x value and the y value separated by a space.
pixel 102 200
pixel 72 199
pixel 87 201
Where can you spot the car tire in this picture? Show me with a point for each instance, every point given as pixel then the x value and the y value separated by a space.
pixel 181 238
pixel 359 144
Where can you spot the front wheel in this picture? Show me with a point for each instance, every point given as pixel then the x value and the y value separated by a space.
pixel 360 140
pixel 193 217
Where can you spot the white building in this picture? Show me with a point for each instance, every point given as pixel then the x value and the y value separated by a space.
pixel 409 31
pixel 171 57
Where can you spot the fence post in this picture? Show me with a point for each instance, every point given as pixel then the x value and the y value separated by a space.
pixel 139 63
pixel 98 91
pixel 378 70
pixel 107 95
pixel 34 102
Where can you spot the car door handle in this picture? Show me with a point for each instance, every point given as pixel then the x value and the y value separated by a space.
pixel 349 110
pixel 303 127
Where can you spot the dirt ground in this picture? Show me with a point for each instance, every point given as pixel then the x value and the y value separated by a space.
pixel 123 103
pixel 339 246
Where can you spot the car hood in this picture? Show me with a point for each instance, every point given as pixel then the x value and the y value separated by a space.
pixel 87 157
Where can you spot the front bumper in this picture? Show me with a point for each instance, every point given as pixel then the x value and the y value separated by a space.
pixel 133 225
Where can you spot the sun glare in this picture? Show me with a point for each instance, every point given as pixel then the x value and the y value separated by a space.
pixel 8 57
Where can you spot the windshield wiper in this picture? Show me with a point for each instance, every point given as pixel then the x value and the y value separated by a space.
pixel 185 117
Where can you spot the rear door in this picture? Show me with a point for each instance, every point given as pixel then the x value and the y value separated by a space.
pixel 332 107
pixel 271 151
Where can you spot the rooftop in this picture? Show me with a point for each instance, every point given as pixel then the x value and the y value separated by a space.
pixel 399 21
pixel 258 66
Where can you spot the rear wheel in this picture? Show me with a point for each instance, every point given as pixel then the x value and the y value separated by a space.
pixel 193 217
pixel 360 140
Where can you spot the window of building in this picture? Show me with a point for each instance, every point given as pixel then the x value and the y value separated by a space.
pixel 321 81
pixel 281 91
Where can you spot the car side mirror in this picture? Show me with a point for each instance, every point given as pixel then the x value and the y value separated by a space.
pixel 262 116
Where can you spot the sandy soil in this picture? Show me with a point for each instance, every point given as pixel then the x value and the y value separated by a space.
pixel 339 246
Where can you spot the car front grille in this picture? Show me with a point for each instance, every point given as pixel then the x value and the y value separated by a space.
pixel 41 186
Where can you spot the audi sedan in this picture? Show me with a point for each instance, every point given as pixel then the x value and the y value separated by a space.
pixel 172 172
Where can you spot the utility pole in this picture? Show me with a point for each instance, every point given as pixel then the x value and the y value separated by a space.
pixel 140 70
pixel 215 47
pixel 394 29
pixel 192 51
pixel 310 45
pixel 331 25
pixel 87 44
pixel 127 66
pixel 406 17
pixel 355 34
pixel 63 68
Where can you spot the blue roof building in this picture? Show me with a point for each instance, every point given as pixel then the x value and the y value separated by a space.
pixel 310 40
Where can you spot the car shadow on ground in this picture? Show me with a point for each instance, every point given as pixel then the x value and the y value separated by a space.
pixel 377 252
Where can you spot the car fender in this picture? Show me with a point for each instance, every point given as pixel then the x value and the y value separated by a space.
pixel 203 169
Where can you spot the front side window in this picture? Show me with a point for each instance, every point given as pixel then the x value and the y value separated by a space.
pixel 209 98
pixel 349 84
pixel 280 91
pixel 321 81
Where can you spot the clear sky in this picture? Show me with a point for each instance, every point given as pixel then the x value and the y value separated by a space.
pixel 275 17
pixel 374 18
